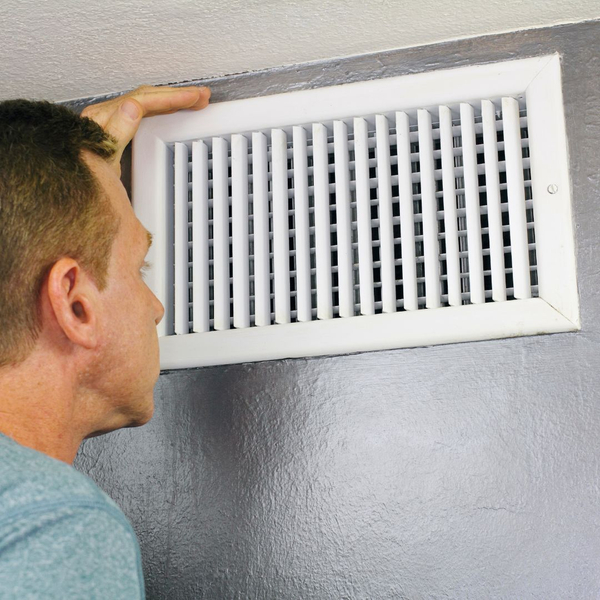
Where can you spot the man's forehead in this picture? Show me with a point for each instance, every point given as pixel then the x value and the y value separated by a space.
pixel 109 181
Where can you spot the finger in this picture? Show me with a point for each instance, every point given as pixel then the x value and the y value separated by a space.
pixel 202 103
pixel 153 100
pixel 166 90
pixel 124 121
pixel 195 107
pixel 203 100
pixel 156 101
pixel 121 116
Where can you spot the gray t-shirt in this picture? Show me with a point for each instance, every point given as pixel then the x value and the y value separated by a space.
pixel 61 537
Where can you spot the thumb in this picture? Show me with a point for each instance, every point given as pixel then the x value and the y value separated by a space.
pixel 124 124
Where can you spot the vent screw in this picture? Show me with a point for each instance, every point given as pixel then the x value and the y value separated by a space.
pixel 552 188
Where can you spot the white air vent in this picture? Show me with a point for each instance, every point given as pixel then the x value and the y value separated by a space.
pixel 409 211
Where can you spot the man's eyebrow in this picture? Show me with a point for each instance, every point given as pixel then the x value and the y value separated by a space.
pixel 149 239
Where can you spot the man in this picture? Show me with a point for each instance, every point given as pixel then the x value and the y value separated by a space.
pixel 78 343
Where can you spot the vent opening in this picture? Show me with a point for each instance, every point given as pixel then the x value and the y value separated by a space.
pixel 380 163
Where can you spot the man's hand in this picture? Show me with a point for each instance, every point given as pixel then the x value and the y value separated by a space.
pixel 121 116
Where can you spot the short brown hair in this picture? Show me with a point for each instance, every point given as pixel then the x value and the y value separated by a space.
pixel 51 206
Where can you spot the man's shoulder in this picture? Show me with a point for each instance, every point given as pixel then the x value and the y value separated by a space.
pixel 60 535
pixel 29 478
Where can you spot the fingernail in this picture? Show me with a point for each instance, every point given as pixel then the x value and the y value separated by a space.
pixel 131 110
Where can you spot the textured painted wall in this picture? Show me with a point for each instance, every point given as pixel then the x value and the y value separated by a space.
pixel 63 49
pixel 460 471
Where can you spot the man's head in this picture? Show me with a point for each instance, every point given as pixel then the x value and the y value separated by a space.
pixel 70 253
pixel 50 206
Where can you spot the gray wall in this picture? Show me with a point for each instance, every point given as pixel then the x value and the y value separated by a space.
pixel 461 471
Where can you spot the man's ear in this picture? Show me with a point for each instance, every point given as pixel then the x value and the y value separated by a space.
pixel 74 299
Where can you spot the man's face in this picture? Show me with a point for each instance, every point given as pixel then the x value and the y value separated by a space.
pixel 129 314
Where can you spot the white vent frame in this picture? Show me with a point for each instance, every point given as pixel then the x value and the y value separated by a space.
pixel 537 80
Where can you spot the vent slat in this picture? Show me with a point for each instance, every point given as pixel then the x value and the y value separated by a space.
pixel 221 233
pixel 302 229
pixel 450 213
pixel 239 214
pixel 322 224
pixel 386 231
pixel 280 226
pixel 260 201
pixel 363 206
pixel 344 220
pixel 429 203
pixel 200 252
pixel 181 238
pixel 494 209
pixel 516 198
pixel 476 285
pixel 407 226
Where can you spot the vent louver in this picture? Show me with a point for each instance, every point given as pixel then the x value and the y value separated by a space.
pixel 356 231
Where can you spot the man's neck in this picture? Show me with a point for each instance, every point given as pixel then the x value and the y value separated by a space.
pixel 49 442
pixel 37 409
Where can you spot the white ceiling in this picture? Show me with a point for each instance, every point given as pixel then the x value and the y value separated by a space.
pixel 66 49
